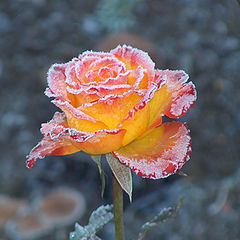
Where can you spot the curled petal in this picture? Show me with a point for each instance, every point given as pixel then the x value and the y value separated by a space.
pixel 160 153
pixel 50 147
pixel 137 121
pixel 56 80
pixel 82 66
pixel 59 139
pixel 103 62
pixel 182 102
pixel 67 107
pixel 133 58
pixel 174 98
pixel 102 142
pixel 94 54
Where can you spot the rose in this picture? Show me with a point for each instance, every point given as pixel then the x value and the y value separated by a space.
pixel 114 102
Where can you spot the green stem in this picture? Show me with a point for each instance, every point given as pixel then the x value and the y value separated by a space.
pixel 118 209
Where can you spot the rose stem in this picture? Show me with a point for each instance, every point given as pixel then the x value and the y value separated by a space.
pixel 118 209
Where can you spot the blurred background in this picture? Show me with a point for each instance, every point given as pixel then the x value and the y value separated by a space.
pixel 200 37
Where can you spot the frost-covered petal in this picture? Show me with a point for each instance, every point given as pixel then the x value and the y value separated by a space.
pixel 56 80
pixel 102 142
pixel 112 109
pixel 60 124
pixel 60 139
pixel 82 67
pixel 160 153
pixel 137 120
pixel 89 65
pixel 135 125
pixel 50 147
pixel 174 98
pixel 68 108
pixel 181 103
pixel 133 58
pixel 77 97
pixel 139 79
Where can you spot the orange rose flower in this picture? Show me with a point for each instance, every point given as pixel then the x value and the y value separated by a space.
pixel 114 102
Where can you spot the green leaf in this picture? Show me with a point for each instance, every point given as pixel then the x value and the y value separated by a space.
pixel 97 160
pixel 164 215
pixel 122 173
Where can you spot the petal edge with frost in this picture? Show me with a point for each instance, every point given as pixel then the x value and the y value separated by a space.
pixel 59 139
pixel 160 153
pixel 174 98
pixel 49 147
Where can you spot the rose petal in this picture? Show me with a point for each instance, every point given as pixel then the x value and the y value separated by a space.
pixel 112 109
pixel 56 80
pixel 84 125
pixel 160 153
pixel 71 75
pixel 59 139
pixel 133 58
pixel 174 98
pixel 103 62
pixel 135 125
pixel 103 141
pixel 139 79
pixel 78 97
pixel 82 67
pixel 91 63
pixel 76 112
pixel 50 147
pixel 182 102
pixel 94 54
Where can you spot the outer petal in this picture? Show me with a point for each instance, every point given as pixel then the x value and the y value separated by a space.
pixel 56 80
pixel 50 147
pixel 98 142
pixel 137 121
pixel 59 139
pixel 174 98
pixel 102 142
pixel 160 153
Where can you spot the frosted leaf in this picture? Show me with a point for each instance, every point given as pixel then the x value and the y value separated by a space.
pixel 164 215
pixel 122 173
pixel 97 160
pixel 98 219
